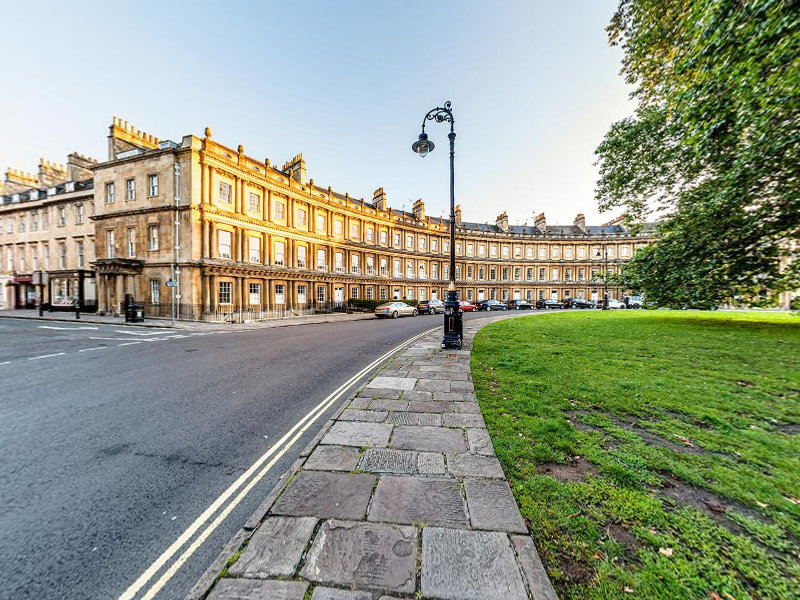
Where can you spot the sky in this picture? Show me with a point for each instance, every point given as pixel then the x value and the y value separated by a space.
pixel 534 87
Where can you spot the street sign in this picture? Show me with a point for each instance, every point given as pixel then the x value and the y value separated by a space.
pixel 172 283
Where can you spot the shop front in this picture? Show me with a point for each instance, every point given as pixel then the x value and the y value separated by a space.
pixel 66 288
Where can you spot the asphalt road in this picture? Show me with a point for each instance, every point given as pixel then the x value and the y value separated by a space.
pixel 114 440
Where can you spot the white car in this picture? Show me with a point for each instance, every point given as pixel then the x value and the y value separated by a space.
pixel 612 303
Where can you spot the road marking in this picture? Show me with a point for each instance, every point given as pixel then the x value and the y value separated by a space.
pixel 95 348
pixel 130 343
pixel 303 424
pixel 64 328
pixel 138 332
pixel 45 356
pixel 119 339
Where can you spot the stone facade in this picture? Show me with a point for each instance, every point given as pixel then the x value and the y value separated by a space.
pixel 241 236
pixel 261 239
pixel 47 236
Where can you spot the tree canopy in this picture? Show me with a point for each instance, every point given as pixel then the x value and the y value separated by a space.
pixel 713 147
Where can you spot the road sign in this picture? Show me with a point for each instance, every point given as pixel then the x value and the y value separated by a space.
pixel 172 283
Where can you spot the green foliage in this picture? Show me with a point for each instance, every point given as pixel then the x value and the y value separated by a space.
pixel 714 144
pixel 683 431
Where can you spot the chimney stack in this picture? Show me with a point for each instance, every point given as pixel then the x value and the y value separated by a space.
pixel 541 222
pixel 580 222
pixel 502 222
pixel 419 210
pixel 457 210
pixel 379 199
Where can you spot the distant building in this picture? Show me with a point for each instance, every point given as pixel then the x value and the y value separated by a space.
pixel 47 237
pixel 234 234
pixel 259 238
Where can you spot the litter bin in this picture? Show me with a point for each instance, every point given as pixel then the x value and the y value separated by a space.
pixel 134 313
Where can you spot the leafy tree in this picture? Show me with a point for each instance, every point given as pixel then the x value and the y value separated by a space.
pixel 713 147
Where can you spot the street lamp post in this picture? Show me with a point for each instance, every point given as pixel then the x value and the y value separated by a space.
pixel 453 326
pixel 604 250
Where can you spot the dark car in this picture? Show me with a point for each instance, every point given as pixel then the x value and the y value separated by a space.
pixel 519 305
pixel 549 304
pixel 578 303
pixel 492 305
pixel 430 307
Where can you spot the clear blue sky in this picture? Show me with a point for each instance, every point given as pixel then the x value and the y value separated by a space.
pixel 534 87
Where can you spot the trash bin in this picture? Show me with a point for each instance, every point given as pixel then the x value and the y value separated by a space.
pixel 134 313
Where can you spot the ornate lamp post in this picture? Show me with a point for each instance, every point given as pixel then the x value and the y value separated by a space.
pixel 604 250
pixel 453 327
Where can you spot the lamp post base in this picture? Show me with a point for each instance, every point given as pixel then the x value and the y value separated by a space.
pixel 453 325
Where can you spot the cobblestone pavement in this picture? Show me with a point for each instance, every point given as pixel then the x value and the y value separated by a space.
pixel 399 496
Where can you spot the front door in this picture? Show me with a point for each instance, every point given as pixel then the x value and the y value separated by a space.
pixel 554 295
pixel 517 295
pixel 338 296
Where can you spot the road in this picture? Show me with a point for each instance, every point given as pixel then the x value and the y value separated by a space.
pixel 115 439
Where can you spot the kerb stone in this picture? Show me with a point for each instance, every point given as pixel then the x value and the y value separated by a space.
pixel 362 555
pixel 258 589
pixel 469 565
pixel 275 548
pixel 538 581
pixel 326 593
pixel 326 495
pixel 479 442
pixel 418 500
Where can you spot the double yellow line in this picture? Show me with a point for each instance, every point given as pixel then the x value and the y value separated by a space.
pixel 224 501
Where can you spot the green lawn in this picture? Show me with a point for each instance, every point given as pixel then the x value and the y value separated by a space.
pixel 654 454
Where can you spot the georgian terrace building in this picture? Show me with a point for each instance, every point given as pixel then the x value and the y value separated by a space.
pixel 236 233
pixel 47 237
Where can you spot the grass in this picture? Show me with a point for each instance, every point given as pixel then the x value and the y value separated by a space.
pixel 653 454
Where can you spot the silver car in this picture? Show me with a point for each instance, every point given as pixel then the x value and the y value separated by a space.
pixel 394 310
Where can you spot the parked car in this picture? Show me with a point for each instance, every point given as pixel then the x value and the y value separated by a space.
pixel 430 307
pixel 578 303
pixel 467 306
pixel 394 310
pixel 633 301
pixel 519 305
pixel 549 304
pixel 492 305
pixel 614 303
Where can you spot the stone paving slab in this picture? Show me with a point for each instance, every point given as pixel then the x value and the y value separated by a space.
pixel 372 416
pixel 372 555
pixel 492 506
pixel 275 548
pixel 474 465
pixel 354 433
pixel 333 458
pixel 469 565
pixel 399 496
pixel 393 383
pixel 326 495
pixel 418 500
pixel 430 439
pixel 385 460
